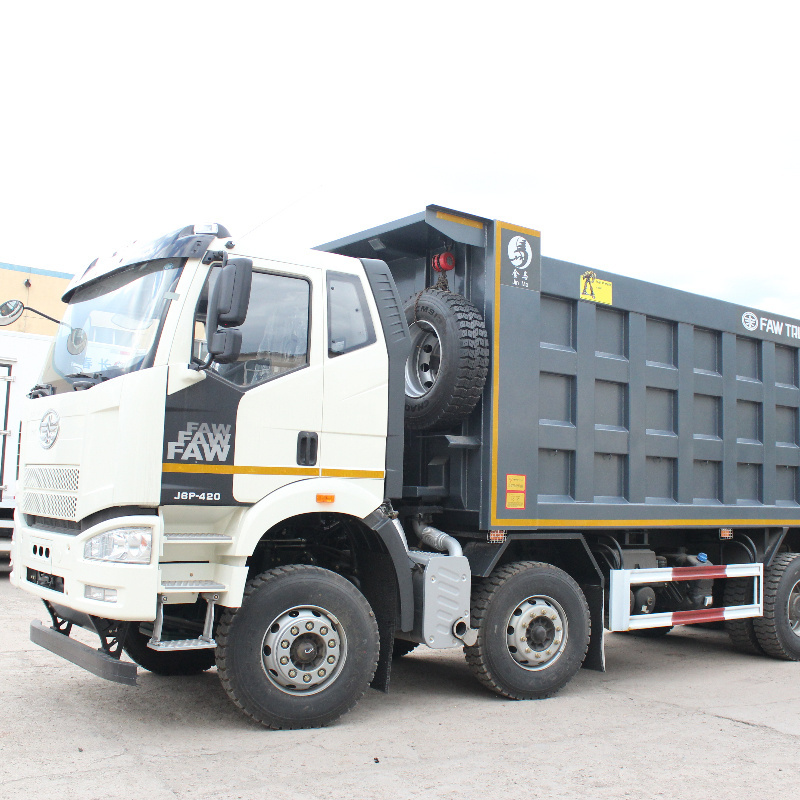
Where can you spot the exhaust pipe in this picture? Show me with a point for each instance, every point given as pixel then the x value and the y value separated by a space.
pixel 438 540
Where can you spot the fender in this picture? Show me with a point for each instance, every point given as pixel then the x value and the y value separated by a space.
pixel 353 496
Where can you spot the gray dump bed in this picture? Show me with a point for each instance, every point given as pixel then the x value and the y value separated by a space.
pixel 610 402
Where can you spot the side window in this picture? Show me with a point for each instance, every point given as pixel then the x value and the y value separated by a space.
pixel 275 333
pixel 349 322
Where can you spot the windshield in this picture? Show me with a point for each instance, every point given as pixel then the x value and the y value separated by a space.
pixel 111 326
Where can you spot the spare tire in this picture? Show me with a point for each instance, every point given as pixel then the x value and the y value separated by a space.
pixel 449 359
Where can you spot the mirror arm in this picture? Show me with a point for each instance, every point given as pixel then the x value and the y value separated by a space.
pixel 42 314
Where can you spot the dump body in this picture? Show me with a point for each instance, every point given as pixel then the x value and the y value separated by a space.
pixel 611 402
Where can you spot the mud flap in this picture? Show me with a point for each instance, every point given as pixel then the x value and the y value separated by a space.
pixel 595 655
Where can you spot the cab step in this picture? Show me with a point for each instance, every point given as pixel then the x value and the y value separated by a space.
pixel 204 641
pixel 192 586
pixel 182 644
pixel 197 538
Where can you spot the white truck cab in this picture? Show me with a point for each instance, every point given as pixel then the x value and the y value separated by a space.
pixel 193 401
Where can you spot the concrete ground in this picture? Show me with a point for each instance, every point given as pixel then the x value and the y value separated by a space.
pixel 682 717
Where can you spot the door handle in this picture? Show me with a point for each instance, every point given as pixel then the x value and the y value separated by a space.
pixel 307 445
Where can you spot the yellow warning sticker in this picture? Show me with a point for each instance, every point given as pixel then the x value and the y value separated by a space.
pixel 515 499
pixel 594 289
pixel 515 483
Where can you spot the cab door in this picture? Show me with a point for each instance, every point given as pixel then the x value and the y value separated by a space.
pixel 281 371
pixel 252 426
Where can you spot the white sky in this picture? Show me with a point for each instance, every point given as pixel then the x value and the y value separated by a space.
pixel 660 140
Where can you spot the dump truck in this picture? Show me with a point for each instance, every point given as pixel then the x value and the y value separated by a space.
pixel 297 468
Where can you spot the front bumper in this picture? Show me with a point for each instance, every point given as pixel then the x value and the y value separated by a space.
pixel 42 559
pixel 95 661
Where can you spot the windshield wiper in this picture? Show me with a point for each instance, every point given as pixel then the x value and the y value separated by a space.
pixel 87 381
pixel 41 390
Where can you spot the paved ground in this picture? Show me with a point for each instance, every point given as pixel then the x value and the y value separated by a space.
pixel 683 717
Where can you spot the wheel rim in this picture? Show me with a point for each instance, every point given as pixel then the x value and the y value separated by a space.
pixel 793 609
pixel 425 359
pixel 304 650
pixel 536 632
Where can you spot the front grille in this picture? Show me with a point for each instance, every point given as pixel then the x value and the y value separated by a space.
pixel 50 491
pixel 46 504
pixel 54 479
pixel 52 525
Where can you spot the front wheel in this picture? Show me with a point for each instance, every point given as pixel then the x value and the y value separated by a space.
pixel 778 631
pixel 301 650
pixel 533 630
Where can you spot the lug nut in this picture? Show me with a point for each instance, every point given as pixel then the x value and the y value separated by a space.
pixel 284 660
pixel 331 659
pixel 323 630
pixel 332 643
pixel 321 673
pixel 309 626
pixel 295 630
pixel 292 673
pixel 284 644
pixel 306 678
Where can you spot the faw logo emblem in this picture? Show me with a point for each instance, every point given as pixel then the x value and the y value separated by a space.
pixel 202 442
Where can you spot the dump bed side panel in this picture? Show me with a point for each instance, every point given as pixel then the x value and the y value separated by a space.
pixel 625 403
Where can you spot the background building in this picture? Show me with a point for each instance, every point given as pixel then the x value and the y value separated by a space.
pixel 23 347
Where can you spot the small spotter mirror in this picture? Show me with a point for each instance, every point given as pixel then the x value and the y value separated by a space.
pixel 11 311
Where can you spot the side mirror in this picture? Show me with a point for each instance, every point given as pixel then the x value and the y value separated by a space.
pixel 231 295
pixel 10 311
pixel 227 308
pixel 225 345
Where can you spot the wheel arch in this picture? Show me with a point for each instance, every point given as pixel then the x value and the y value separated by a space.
pixel 356 500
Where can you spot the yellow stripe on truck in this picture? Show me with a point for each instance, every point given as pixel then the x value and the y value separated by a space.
pixel 309 472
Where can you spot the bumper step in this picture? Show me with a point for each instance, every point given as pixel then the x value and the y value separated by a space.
pixel 95 661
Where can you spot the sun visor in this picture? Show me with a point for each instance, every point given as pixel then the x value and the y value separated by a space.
pixel 183 243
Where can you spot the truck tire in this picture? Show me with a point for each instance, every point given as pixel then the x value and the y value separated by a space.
pixel 778 631
pixel 301 650
pixel 449 359
pixel 739 591
pixel 176 662
pixel 533 630
pixel 402 648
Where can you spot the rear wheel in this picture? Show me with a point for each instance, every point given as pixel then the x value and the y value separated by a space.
pixel 301 650
pixel 739 592
pixel 533 630
pixel 778 631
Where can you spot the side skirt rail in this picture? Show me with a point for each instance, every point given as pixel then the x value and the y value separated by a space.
pixel 619 613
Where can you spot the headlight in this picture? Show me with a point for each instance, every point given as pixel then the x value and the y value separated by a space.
pixel 124 545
